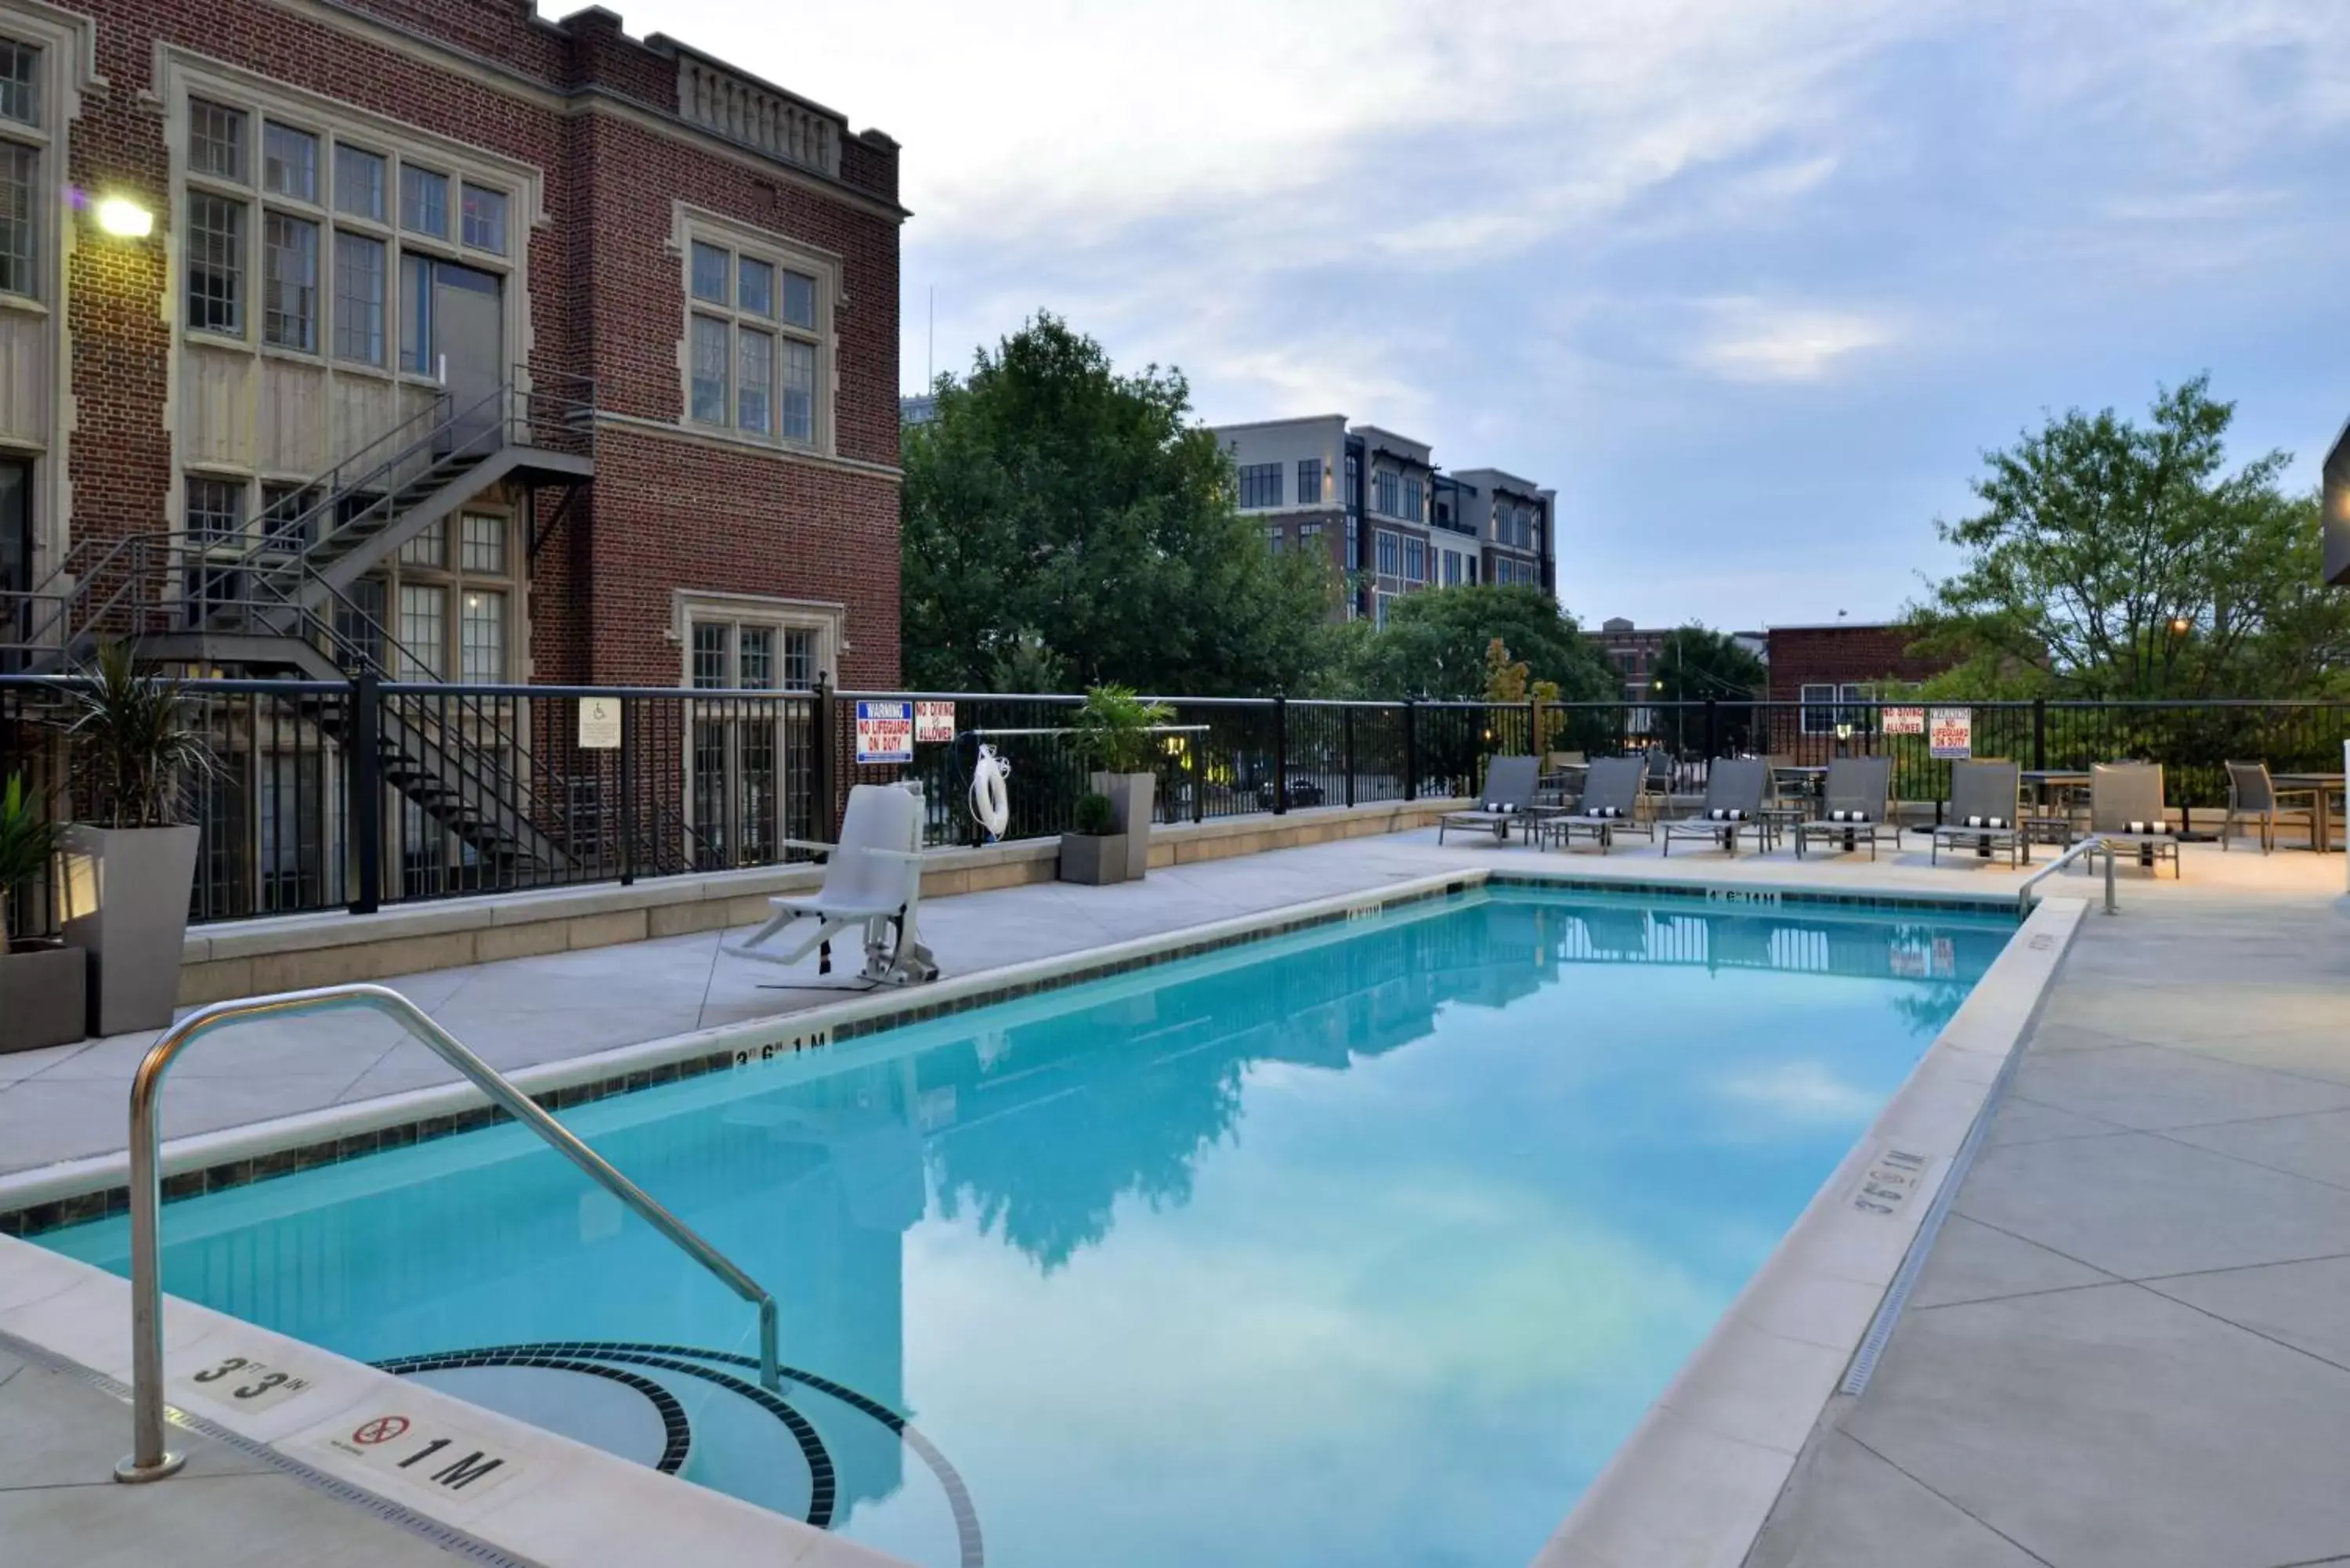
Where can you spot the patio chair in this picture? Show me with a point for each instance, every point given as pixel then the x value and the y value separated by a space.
pixel 2127 810
pixel 1611 804
pixel 2254 795
pixel 873 878
pixel 1733 804
pixel 1509 797
pixel 1657 781
pixel 1859 805
pixel 1986 811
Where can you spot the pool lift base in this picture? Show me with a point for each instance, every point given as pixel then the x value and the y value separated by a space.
pixel 128 1470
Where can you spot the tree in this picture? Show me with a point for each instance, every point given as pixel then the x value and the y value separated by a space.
pixel 1061 520
pixel 1435 645
pixel 2116 559
pixel 1695 663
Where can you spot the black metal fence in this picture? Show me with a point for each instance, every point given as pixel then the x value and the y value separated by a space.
pixel 327 796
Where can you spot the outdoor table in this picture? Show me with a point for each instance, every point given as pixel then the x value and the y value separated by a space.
pixel 2325 786
pixel 1567 779
pixel 2046 784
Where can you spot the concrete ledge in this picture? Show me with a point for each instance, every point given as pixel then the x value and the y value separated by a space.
pixel 289 952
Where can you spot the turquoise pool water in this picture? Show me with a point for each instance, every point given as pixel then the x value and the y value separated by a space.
pixel 1366 1244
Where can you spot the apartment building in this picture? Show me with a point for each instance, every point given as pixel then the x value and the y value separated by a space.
pixel 1375 502
pixel 367 337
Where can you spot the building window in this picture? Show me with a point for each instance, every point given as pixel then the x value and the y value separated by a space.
pixel 358 182
pixel 481 637
pixel 20 82
pixel 1386 492
pixel 215 509
pixel 216 141
pixel 289 161
pixel 453 590
pixel 423 609
pixel 1309 531
pixel 20 225
pixel 1354 543
pixel 1353 498
pixel 416 315
pixel 423 202
pixel 359 298
pixel 1390 554
pixel 1260 484
pixel 750 764
pixel 290 277
pixel 1414 509
pixel 1309 482
pixel 1415 560
pixel 215 265
pixel 485 219
pixel 482 543
pixel 1274 540
pixel 751 348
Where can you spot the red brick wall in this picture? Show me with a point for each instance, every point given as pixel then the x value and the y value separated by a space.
pixel 1842 655
pixel 607 300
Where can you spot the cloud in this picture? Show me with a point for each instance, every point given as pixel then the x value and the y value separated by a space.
pixel 1801 1091
pixel 1754 341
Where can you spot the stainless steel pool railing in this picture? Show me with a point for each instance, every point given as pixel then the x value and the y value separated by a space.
pixel 2088 845
pixel 149 1460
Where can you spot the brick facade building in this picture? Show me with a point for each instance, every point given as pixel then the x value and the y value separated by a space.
pixel 513 350
pixel 1821 667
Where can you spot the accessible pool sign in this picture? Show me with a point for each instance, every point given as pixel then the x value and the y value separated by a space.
pixel 600 723
pixel 885 732
pixel 1905 721
pixel 1950 733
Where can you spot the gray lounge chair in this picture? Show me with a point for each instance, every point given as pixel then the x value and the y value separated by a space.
pixel 1986 811
pixel 2127 810
pixel 1859 805
pixel 873 879
pixel 2253 796
pixel 1611 804
pixel 1509 797
pixel 1733 804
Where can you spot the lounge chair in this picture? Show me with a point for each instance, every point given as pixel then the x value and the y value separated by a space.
pixel 873 879
pixel 1986 811
pixel 2253 796
pixel 1611 804
pixel 1733 804
pixel 1859 805
pixel 1509 797
pixel 2127 810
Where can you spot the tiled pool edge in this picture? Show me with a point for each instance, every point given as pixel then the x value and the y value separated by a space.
pixel 48 1198
pixel 1694 1484
pixel 561 1504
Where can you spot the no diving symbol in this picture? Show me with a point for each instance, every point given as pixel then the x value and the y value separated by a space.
pixel 382 1429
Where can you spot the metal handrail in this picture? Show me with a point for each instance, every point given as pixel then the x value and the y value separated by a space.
pixel 148 1459
pixel 2088 845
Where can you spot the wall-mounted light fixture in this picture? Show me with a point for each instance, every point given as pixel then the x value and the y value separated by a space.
pixel 124 218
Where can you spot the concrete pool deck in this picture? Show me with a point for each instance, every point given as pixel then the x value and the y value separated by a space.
pixel 2122 1323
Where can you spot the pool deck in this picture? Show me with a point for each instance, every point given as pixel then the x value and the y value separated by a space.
pixel 2125 1349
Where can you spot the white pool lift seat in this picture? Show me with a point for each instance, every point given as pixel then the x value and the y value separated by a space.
pixel 874 879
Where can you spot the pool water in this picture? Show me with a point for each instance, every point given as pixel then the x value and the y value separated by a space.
pixel 1364 1244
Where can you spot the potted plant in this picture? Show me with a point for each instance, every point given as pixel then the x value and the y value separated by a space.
pixel 130 855
pixel 1115 730
pixel 1093 852
pixel 43 1000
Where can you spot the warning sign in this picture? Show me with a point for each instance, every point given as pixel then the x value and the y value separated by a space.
pixel 1905 721
pixel 1950 733
pixel 885 732
pixel 933 721
pixel 426 1453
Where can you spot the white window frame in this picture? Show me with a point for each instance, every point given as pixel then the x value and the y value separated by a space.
pixel 692 226
pixel 1818 701
pixel 692 608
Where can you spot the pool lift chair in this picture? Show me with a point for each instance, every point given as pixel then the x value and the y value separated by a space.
pixel 873 879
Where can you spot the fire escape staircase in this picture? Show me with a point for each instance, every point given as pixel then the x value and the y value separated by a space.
pixel 275 603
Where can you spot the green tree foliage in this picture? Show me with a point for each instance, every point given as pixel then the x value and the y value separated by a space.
pixel 2119 559
pixel 1436 645
pixel 1696 663
pixel 1063 524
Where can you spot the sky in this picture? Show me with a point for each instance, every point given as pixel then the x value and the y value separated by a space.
pixel 1754 284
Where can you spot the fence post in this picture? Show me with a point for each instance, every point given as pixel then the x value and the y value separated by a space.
pixel 1196 752
pixel 825 804
pixel 1347 733
pixel 2039 732
pixel 1410 750
pixel 1533 732
pixel 1713 733
pixel 1280 753
pixel 627 791
pixel 364 765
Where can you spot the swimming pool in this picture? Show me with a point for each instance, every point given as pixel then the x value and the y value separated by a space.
pixel 1367 1244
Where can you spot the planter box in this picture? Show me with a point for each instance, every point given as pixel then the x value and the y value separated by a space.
pixel 43 996
pixel 126 902
pixel 1131 797
pixel 1094 862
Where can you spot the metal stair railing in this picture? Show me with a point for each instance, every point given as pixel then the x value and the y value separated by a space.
pixel 2088 846
pixel 150 1460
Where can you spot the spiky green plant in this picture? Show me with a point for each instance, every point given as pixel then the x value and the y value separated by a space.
pixel 134 750
pixel 27 839
pixel 1114 728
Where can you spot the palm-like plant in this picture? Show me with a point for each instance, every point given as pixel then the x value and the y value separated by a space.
pixel 133 747
pixel 1115 728
pixel 27 840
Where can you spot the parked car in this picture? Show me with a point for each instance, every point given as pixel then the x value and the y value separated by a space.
pixel 1304 790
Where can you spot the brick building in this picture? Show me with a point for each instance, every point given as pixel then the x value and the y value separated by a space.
pixel 1822 667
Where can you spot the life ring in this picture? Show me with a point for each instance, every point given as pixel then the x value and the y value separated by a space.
pixel 990 803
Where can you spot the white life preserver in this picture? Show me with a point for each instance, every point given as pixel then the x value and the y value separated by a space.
pixel 990 803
